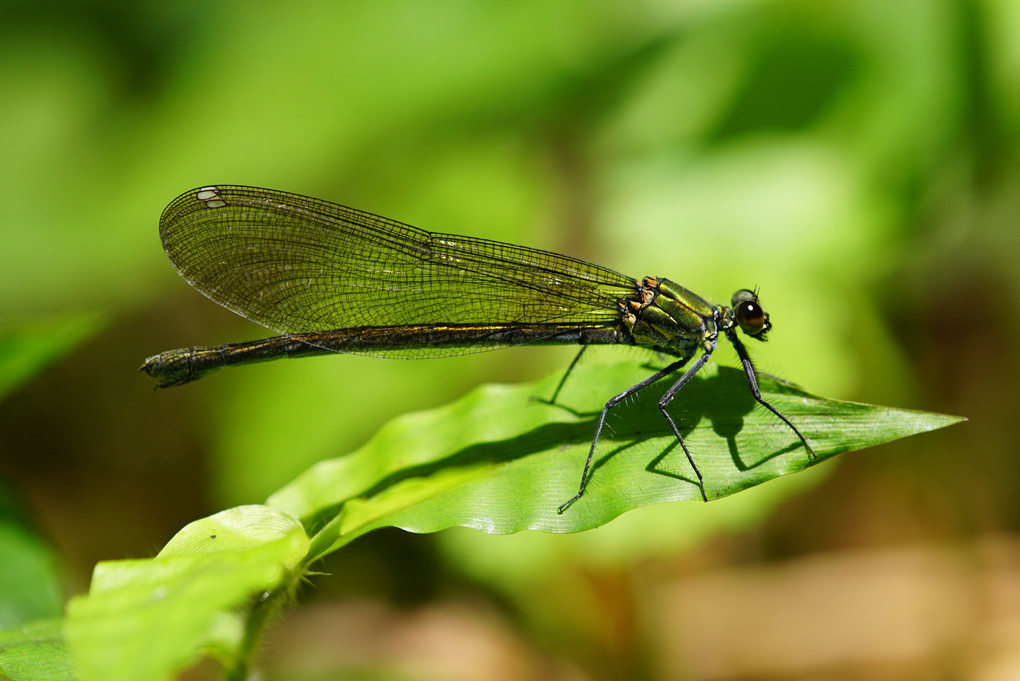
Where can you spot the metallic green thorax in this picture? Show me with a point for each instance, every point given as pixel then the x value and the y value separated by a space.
pixel 667 316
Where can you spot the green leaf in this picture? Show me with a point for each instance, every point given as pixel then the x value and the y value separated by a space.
pixel 189 598
pixel 497 460
pixel 36 652
pixel 28 348
pixel 500 461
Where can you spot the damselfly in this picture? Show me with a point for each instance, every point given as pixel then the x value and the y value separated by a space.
pixel 333 279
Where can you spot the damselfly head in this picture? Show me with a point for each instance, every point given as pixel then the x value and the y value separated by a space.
pixel 749 315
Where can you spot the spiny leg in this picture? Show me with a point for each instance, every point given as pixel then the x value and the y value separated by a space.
pixel 570 369
pixel 602 420
pixel 668 397
pixel 752 381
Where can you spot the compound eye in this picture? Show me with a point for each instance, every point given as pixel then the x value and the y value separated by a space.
pixel 751 317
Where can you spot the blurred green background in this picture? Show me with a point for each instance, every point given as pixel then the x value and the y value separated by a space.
pixel 855 161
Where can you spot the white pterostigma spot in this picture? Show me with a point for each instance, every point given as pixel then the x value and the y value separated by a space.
pixel 211 197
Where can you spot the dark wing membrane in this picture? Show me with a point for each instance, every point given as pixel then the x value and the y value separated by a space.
pixel 296 264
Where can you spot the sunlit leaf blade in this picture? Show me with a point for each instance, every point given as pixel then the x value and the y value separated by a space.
pixel 145 619
pixel 500 461
pixel 36 652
